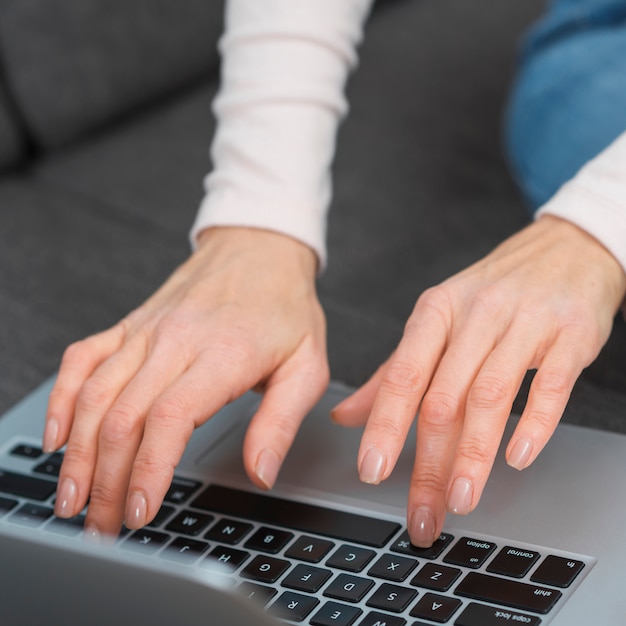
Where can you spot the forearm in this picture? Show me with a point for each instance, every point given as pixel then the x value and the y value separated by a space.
pixel 281 100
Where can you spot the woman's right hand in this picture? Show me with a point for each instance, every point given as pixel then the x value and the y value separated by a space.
pixel 241 313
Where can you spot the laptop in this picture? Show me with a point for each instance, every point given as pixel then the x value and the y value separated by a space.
pixel 545 546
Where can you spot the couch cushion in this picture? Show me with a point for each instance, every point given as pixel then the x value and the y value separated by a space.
pixel 74 65
pixel 11 135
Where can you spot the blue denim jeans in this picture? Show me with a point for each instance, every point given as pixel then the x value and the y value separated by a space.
pixel 569 99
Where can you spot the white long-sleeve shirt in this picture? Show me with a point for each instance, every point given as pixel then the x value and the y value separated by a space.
pixel 284 69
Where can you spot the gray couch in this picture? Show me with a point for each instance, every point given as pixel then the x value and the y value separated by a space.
pixel 105 125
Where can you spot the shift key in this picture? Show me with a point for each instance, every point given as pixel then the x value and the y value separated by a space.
pixel 508 592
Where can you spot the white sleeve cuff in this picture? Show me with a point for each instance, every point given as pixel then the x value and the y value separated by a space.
pixel 595 199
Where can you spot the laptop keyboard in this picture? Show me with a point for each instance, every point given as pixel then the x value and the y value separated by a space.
pixel 314 565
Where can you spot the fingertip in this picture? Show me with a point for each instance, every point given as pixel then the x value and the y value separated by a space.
pixel 422 527
pixel 136 511
pixel 373 466
pixel 461 496
pixel 266 468
pixel 520 453
pixel 350 412
pixel 51 436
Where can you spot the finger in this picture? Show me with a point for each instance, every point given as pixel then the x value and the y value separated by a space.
pixel 289 396
pixel 95 398
pixel 210 383
pixel 439 426
pixel 119 439
pixel 356 408
pixel 403 383
pixel 548 396
pixel 77 365
pixel 473 360
pixel 487 410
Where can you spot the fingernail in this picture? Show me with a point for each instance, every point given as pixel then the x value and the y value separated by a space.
pixel 66 498
pixel 91 534
pixel 372 466
pixel 520 454
pixel 136 510
pixel 267 467
pixel 460 496
pixel 422 527
pixel 50 435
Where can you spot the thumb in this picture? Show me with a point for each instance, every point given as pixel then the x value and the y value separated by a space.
pixel 355 409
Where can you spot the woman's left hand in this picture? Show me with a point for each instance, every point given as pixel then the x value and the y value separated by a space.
pixel 545 299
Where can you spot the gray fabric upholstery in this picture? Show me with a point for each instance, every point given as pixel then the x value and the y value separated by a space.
pixel 12 140
pixel 74 65
pixel 421 190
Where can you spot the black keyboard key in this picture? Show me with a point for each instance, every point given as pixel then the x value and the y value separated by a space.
pixel 189 523
pixel 269 540
pixel 164 513
pixel 184 550
pixel 349 588
pixel 50 466
pixel 229 531
pixel 436 608
pixel 293 606
pixel 469 552
pixel 436 577
pixel 310 549
pixel 265 569
pixel 26 486
pixel 392 567
pixel 307 518
pixel 181 490
pixel 482 615
pixel 511 593
pixel 32 515
pixel 514 562
pixel 225 559
pixel 403 545
pixel 557 571
pixel 26 451
pixel 6 505
pixel 379 619
pixel 350 558
pixel 260 594
pixel 306 578
pixel 69 527
pixel 145 541
pixel 335 614
pixel 391 598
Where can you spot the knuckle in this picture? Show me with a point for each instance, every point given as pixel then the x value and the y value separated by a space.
pixel 121 425
pixel 386 428
pixel 487 300
pixel 103 495
pixel 403 379
pixel 542 420
pixel 94 395
pixel 153 464
pixel 474 450
pixel 76 355
pixel 552 383
pixel 429 481
pixel 171 408
pixel 77 455
pixel 439 409
pixel 433 303
pixel 488 391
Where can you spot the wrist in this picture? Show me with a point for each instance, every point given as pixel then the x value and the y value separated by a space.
pixel 266 246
